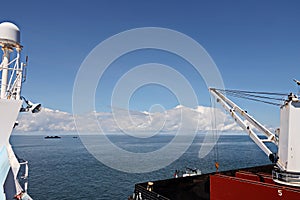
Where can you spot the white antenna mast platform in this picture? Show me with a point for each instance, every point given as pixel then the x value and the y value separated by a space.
pixel 12 70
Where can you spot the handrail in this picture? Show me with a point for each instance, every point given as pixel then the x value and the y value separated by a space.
pixel 142 193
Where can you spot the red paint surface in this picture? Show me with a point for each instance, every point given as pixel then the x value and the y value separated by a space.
pixel 223 187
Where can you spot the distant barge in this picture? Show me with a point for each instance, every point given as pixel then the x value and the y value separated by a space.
pixel 52 137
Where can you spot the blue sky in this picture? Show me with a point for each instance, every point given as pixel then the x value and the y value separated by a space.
pixel 255 44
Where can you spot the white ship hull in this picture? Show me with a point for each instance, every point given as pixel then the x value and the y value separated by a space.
pixel 9 165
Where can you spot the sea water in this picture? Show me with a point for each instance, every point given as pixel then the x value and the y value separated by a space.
pixel 63 169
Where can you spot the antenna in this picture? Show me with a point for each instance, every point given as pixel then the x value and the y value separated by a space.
pixel 26 61
pixel 24 69
pixel 298 83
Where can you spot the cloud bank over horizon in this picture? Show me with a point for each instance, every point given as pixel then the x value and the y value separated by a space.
pixel 127 121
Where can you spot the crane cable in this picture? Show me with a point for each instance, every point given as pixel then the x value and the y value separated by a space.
pixel 215 133
pixel 263 97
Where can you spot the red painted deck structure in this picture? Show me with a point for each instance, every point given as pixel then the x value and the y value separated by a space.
pixel 247 185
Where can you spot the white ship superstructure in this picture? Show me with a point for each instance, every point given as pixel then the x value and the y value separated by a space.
pixel 12 76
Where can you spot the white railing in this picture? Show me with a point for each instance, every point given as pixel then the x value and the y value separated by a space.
pixel 286 178
pixel 23 175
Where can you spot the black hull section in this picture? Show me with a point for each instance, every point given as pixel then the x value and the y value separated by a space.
pixel 189 188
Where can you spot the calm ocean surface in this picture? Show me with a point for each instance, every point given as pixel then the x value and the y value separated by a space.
pixel 64 169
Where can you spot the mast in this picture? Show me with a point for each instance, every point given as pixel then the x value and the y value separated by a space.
pixel 4 67
pixel 12 70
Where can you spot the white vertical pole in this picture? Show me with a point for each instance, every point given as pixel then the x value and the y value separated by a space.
pixel 4 80
pixel 19 76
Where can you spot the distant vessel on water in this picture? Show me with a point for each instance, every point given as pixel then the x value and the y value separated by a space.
pixel 280 180
pixel 52 137
pixel 13 181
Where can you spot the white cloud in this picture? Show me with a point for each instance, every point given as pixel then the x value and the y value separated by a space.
pixel 46 120
pixel 130 121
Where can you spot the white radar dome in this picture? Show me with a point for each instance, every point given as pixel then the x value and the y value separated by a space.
pixel 9 31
